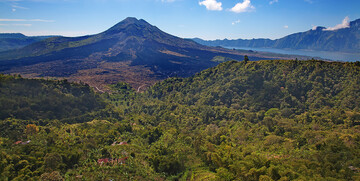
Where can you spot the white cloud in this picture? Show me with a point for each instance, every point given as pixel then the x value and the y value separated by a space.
pixel 42 20
pixel 16 25
pixel 21 24
pixel 345 24
pixel 286 26
pixel 62 33
pixel 43 33
pixel 235 22
pixel 245 6
pixel 212 5
pixel 273 1
pixel 14 4
pixel 28 20
pixel 19 7
pixel 12 20
pixel 309 1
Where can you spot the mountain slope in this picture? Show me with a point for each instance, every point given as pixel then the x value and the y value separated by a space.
pixel 9 41
pixel 133 51
pixel 344 40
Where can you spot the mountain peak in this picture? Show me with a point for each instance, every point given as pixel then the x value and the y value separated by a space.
pixel 129 21
pixel 133 20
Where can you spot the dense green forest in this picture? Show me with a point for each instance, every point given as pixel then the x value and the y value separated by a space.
pixel 33 99
pixel 263 120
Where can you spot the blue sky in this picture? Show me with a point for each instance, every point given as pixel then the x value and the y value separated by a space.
pixel 207 19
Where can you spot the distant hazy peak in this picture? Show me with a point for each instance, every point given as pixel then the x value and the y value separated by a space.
pixel 343 37
pixel 12 35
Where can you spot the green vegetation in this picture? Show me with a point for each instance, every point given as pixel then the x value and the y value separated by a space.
pixel 221 59
pixel 36 99
pixel 264 120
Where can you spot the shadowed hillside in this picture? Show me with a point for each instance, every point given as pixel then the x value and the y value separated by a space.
pixel 9 41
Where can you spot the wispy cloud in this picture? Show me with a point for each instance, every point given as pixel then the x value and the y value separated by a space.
pixel 27 20
pixel 212 5
pixel 14 4
pixel 273 1
pixel 345 24
pixel 236 22
pixel 245 6
pixel 62 33
pixel 18 7
pixel 42 20
pixel 16 25
pixel 12 20
pixel 309 1
pixel 10 0
pixel 286 26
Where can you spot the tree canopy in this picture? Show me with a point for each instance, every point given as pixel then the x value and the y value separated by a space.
pixel 263 120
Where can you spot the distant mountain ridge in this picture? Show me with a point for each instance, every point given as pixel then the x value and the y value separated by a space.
pixel 9 41
pixel 342 40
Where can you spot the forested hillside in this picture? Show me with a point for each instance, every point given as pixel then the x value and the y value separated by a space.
pixel 263 120
pixel 295 85
pixel 34 99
